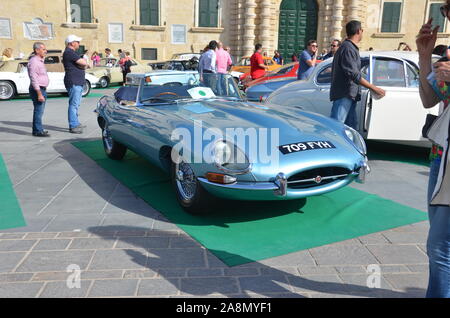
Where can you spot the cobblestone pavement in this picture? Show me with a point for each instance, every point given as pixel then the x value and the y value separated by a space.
pixel 78 214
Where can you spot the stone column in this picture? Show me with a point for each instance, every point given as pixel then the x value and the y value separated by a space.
pixel 265 25
pixel 249 27
pixel 337 18
pixel 353 11
pixel 327 23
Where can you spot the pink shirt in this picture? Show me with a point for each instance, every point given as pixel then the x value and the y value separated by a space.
pixel 223 60
pixel 37 72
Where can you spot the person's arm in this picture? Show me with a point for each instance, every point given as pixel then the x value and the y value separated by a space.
pixel 349 64
pixel 214 62
pixel 82 63
pixel 312 61
pixel 261 63
pixel 426 41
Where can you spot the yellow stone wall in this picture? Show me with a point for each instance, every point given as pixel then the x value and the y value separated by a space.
pixel 95 35
pixel 231 31
pixel 415 14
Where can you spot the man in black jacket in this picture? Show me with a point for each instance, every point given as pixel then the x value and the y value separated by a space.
pixel 347 79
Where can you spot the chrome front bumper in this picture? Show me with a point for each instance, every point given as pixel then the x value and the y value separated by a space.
pixel 279 188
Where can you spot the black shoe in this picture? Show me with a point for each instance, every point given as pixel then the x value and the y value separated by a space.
pixel 42 134
pixel 76 130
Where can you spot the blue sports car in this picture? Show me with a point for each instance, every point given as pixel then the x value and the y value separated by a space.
pixel 259 92
pixel 214 143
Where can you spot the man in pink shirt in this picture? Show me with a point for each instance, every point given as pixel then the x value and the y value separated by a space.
pixel 223 61
pixel 38 87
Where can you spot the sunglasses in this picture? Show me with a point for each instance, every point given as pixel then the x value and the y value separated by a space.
pixel 444 10
pixel 333 45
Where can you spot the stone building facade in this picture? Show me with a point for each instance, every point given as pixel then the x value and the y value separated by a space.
pixel 149 29
pixel 156 29
pixel 265 21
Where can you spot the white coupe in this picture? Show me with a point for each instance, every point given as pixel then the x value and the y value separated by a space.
pixel 398 117
pixel 14 79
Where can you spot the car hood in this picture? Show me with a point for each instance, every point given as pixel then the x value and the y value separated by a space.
pixel 287 125
pixel 222 114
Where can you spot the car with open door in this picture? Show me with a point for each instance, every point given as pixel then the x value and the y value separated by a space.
pixel 398 117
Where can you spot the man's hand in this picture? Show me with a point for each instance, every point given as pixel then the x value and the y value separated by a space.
pixel 442 70
pixel 426 40
pixel 379 92
pixel 40 97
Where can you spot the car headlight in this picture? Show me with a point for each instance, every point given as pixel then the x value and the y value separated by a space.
pixel 229 158
pixel 356 139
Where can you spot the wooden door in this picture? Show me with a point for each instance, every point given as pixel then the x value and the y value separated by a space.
pixel 298 25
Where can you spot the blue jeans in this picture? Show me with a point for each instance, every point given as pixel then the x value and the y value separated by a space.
pixel 38 110
pixel 75 93
pixel 344 110
pixel 438 244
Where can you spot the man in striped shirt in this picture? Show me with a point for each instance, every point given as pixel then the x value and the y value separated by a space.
pixel 38 87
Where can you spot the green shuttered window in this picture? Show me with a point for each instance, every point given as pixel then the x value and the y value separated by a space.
pixel 149 12
pixel 208 13
pixel 391 17
pixel 435 13
pixel 84 13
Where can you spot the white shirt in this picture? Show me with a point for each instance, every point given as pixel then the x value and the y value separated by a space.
pixel 208 62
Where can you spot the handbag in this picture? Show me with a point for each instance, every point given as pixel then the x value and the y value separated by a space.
pixel 429 120
pixel 439 130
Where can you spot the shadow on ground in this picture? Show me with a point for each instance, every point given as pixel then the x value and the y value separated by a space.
pixel 273 281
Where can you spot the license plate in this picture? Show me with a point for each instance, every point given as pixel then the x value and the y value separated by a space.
pixel 304 146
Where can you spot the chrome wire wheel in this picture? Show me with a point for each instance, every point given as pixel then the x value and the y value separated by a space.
pixel 185 181
pixel 107 140
pixel 104 82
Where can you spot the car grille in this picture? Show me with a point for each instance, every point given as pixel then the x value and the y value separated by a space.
pixel 317 177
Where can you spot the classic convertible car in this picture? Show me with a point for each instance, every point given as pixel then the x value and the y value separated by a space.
pixel 14 79
pixel 109 71
pixel 396 118
pixel 214 143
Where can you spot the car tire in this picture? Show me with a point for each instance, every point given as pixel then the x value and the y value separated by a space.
pixel 7 90
pixel 189 192
pixel 86 88
pixel 104 82
pixel 113 149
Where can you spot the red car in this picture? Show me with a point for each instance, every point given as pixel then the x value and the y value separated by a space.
pixel 288 70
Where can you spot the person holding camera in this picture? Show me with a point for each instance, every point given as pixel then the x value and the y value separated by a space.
pixel 307 60
pixel 438 242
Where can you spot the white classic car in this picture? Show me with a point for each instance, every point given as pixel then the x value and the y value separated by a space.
pixel 14 78
pixel 398 117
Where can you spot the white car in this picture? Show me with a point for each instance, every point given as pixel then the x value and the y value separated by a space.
pixel 14 80
pixel 398 117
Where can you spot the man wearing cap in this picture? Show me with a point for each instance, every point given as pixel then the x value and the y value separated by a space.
pixel 74 79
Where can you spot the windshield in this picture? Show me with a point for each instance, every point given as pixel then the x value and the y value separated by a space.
pixel 107 62
pixel 206 86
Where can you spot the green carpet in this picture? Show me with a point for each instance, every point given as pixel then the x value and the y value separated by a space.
pixel 10 212
pixel 241 232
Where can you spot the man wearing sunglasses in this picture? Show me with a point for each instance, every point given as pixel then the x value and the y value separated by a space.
pixel 307 60
pixel 438 243
pixel 335 44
